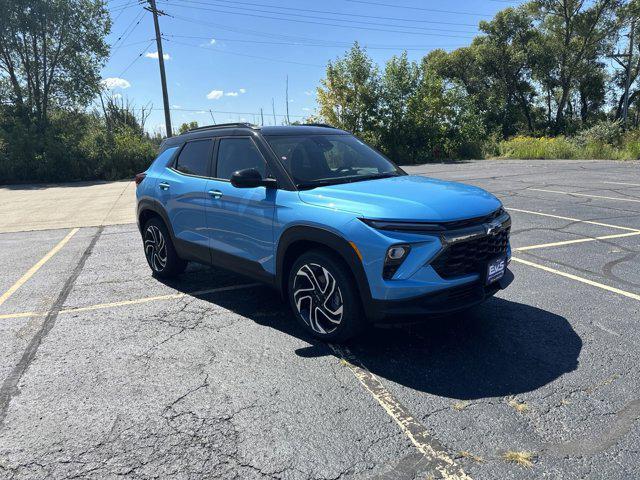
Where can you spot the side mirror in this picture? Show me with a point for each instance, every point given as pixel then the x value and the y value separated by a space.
pixel 251 178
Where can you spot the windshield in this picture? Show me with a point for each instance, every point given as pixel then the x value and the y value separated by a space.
pixel 315 160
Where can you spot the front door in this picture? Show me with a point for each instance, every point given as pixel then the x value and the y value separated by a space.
pixel 240 220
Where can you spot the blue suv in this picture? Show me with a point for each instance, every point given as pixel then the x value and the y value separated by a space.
pixel 343 233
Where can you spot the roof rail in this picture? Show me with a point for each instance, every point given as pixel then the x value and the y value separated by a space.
pixel 222 125
pixel 326 125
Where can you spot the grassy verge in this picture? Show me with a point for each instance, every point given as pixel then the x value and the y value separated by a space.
pixel 567 148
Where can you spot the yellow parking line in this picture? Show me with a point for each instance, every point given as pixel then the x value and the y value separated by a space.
pixel 424 442
pixel 579 240
pixel 22 280
pixel 587 195
pixel 136 301
pixel 624 293
pixel 590 222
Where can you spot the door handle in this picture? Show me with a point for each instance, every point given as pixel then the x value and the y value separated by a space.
pixel 216 194
pixel 164 186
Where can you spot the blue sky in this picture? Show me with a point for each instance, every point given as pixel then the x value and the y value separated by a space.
pixel 234 56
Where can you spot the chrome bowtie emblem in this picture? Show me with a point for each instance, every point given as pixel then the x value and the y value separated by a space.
pixel 492 227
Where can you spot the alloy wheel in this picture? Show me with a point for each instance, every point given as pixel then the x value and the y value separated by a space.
pixel 318 298
pixel 155 248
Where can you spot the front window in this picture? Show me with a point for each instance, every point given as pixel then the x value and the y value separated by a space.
pixel 315 160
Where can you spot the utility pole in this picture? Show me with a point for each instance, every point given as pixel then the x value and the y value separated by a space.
pixel 163 77
pixel 625 106
pixel 628 65
pixel 273 109
pixel 261 118
pixel 213 119
pixel 287 99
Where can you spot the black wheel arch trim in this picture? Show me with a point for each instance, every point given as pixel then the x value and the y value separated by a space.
pixel 334 242
pixel 156 207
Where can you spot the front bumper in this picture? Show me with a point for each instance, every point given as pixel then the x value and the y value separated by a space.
pixel 442 302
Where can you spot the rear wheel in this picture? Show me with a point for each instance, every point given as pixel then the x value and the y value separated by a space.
pixel 159 250
pixel 324 297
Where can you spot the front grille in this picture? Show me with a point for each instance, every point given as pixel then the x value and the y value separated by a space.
pixel 471 256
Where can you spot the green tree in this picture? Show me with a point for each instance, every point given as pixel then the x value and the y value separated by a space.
pixel 397 129
pixel 575 33
pixel 349 95
pixel 185 127
pixel 51 52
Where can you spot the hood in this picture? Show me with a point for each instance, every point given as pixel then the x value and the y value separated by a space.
pixel 408 197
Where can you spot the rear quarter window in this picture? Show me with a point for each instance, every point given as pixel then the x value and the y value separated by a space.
pixel 195 158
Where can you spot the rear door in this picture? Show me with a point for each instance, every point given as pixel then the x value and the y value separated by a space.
pixel 240 219
pixel 182 191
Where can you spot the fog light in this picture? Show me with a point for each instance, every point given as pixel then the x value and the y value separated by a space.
pixel 393 259
pixel 397 253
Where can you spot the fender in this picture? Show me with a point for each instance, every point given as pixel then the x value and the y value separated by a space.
pixel 148 203
pixel 339 245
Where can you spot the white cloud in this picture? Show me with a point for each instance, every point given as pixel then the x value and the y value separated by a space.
pixel 242 90
pixel 305 109
pixel 116 95
pixel 309 93
pixel 115 82
pixel 166 56
pixel 215 94
pixel 291 100
pixel 212 41
pixel 231 94
pixel 176 106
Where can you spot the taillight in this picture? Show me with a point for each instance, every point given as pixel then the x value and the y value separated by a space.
pixel 139 178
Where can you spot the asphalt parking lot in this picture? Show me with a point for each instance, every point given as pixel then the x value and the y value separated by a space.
pixel 106 372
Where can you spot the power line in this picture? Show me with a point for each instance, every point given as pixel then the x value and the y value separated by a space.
pixel 204 111
pixel 386 23
pixel 243 54
pixel 312 43
pixel 350 27
pixel 453 12
pixel 127 32
pixel 137 58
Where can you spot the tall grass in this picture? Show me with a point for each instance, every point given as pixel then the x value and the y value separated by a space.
pixel 521 147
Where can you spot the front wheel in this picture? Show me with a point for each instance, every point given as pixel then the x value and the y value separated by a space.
pixel 159 250
pixel 324 298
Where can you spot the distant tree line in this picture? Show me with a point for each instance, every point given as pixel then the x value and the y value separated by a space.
pixel 51 53
pixel 539 70
pixel 537 82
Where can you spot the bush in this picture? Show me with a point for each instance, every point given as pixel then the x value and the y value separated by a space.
pixel 602 133
pixel 538 148
pixel 74 146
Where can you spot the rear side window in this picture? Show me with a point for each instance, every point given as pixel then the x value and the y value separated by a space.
pixel 237 154
pixel 194 158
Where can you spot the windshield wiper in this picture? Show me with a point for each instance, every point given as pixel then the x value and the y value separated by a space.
pixel 336 181
pixel 375 176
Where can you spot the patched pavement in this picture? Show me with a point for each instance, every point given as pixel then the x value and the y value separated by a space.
pixel 107 372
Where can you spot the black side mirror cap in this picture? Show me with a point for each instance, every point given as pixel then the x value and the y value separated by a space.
pixel 251 178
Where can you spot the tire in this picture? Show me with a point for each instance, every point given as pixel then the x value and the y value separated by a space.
pixel 324 297
pixel 159 250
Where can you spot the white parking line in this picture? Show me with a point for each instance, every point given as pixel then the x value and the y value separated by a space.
pixel 426 444
pixel 590 222
pixel 624 293
pixel 29 273
pixel 586 195
pixel 578 240
pixel 623 183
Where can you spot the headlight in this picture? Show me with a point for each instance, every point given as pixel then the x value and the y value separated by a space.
pixel 394 257
pixel 408 227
